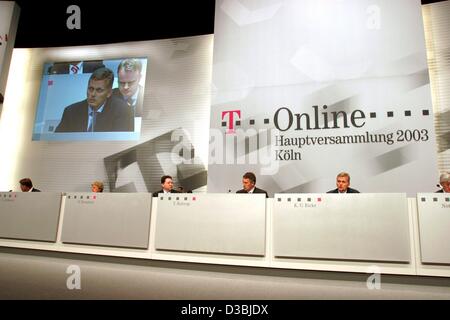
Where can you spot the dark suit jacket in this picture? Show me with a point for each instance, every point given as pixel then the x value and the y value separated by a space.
pixel 35 190
pixel 349 190
pixel 138 108
pixel 116 116
pixel 440 191
pixel 155 194
pixel 257 190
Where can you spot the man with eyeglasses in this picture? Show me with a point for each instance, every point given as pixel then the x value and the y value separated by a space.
pixel 129 74
pixel 100 111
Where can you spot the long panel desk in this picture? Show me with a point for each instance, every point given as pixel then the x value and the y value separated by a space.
pixel 351 233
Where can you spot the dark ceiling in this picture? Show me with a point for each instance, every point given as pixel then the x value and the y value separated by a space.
pixel 43 23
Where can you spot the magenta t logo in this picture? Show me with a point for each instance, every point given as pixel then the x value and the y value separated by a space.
pixel 231 119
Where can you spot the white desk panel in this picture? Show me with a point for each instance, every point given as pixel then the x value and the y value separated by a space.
pixel 367 227
pixel 212 223
pixel 29 215
pixel 107 219
pixel 434 227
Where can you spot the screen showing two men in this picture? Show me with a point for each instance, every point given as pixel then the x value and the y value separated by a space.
pixel 91 100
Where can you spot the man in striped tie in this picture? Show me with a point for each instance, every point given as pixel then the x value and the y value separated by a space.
pixel 129 74
pixel 100 112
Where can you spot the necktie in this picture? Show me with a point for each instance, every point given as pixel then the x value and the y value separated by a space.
pixel 74 69
pixel 130 101
pixel 93 114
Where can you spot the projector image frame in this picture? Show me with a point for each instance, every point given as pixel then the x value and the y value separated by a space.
pixel 64 110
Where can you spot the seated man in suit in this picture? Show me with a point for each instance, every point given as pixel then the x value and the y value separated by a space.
pixel 100 112
pixel 343 183
pixel 27 186
pixel 444 181
pixel 129 74
pixel 167 186
pixel 248 184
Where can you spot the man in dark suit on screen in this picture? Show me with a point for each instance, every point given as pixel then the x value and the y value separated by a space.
pixel 129 74
pixel 343 183
pixel 100 112
pixel 248 184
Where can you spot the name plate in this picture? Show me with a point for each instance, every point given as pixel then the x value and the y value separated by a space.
pixel 434 227
pixel 213 223
pixel 368 227
pixel 29 215
pixel 107 219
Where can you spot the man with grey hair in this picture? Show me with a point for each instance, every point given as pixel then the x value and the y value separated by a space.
pixel 342 184
pixel 129 74
pixel 100 111
pixel 444 181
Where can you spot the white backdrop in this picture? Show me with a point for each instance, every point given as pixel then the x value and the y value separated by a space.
pixel 365 58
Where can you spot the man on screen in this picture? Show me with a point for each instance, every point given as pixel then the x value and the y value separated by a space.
pixel 100 112
pixel 129 74
pixel 342 184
